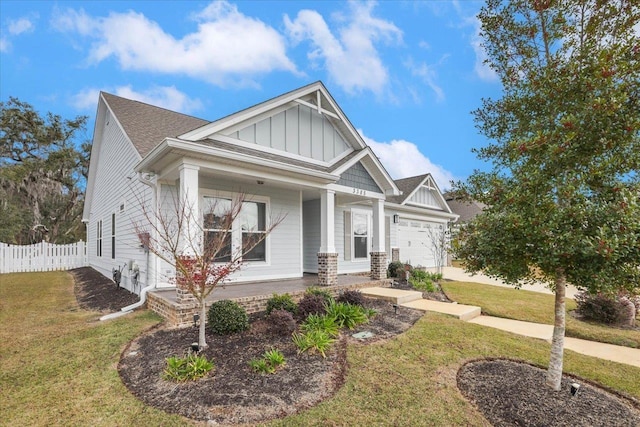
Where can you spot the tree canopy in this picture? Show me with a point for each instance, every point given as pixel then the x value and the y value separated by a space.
pixel 563 194
pixel 43 168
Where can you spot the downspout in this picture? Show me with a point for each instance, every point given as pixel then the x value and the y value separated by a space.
pixel 143 293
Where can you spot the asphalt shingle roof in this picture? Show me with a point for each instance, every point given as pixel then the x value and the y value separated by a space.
pixel 148 125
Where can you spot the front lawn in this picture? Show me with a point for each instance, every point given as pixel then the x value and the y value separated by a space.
pixel 520 304
pixel 59 366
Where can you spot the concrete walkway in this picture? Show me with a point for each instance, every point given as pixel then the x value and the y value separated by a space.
pixel 458 274
pixel 471 314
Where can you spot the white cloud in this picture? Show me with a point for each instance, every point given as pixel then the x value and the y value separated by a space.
pixel 5 45
pixel 227 47
pixel 350 58
pixel 403 159
pixel 428 74
pixel 482 70
pixel 162 96
pixel 20 26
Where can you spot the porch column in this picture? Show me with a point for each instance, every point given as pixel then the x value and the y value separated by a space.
pixel 327 257
pixel 378 254
pixel 190 238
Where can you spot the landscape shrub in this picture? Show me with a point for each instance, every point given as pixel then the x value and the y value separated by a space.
pixel 311 304
pixel 316 322
pixel 422 280
pixel 281 322
pixel 324 293
pixel 312 341
pixel 271 360
pixel 281 302
pixel 351 296
pixel 188 368
pixel 347 315
pixel 227 317
pixel 396 269
pixel 603 308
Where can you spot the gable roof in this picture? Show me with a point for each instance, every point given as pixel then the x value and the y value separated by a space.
pixel 467 210
pixel 409 186
pixel 147 125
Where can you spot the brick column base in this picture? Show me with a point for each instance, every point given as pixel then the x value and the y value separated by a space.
pixel 327 269
pixel 395 254
pixel 183 296
pixel 378 265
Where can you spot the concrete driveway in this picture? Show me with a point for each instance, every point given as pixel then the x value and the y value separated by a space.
pixel 458 274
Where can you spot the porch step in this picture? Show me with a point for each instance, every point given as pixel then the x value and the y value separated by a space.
pixel 396 296
pixel 461 311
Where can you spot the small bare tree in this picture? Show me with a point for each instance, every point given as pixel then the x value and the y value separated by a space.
pixel 439 244
pixel 199 245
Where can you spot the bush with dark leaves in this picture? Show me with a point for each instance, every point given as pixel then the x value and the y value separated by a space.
pixel 311 304
pixel 281 322
pixel 324 293
pixel 396 269
pixel 351 296
pixel 600 307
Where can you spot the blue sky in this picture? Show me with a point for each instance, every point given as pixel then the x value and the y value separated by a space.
pixel 407 74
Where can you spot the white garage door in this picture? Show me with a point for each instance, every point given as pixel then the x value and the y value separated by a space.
pixel 414 242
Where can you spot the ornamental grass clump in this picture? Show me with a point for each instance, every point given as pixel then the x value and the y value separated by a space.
pixel 269 363
pixel 347 315
pixel 188 368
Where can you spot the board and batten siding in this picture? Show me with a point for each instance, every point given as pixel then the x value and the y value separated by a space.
pixel 298 130
pixel 284 242
pixel 116 191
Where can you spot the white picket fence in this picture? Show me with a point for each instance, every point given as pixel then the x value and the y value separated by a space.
pixel 42 257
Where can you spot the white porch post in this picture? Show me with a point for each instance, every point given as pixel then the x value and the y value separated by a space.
pixel 189 206
pixel 378 253
pixel 189 239
pixel 378 226
pixel 327 257
pixel 327 222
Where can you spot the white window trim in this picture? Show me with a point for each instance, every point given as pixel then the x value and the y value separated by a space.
pixel 369 216
pixel 99 236
pixel 236 231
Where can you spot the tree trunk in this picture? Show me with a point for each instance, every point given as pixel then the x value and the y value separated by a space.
pixel 554 373
pixel 202 340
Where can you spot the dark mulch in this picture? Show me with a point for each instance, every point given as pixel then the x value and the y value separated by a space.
pixel 98 293
pixel 234 393
pixel 511 393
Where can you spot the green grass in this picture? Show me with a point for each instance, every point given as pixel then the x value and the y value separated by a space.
pixel 520 304
pixel 59 362
pixel 59 367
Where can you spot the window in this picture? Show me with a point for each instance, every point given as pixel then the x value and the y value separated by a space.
pixel 99 238
pixel 113 236
pixel 248 230
pixel 253 224
pixel 360 227
pixel 217 231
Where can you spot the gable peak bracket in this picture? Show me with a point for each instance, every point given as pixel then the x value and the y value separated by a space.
pixel 318 107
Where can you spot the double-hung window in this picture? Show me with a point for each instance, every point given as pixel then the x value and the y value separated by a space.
pixel 360 227
pixel 217 229
pixel 99 238
pixel 253 225
pixel 247 232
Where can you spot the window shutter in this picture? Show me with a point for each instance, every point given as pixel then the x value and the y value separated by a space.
pixel 347 235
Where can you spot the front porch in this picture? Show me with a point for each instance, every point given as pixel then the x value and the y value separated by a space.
pixel 252 296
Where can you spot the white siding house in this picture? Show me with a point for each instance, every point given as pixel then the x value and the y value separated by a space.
pixel 295 156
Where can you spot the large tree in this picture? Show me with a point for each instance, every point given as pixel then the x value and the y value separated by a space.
pixel 563 194
pixel 43 167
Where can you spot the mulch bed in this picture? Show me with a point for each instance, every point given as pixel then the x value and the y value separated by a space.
pixel 508 393
pixel 98 293
pixel 512 393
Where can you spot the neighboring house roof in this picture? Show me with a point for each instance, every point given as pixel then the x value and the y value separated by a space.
pixel 466 209
pixel 148 125
pixel 421 191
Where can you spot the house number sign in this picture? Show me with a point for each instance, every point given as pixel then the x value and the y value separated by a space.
pixel 359 192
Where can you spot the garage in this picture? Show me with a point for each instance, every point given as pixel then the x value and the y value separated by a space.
pixel 414 242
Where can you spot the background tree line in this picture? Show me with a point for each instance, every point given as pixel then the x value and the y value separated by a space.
pixel 43 169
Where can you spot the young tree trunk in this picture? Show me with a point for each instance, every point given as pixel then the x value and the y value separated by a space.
pixel 554 372
pixel 202 340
